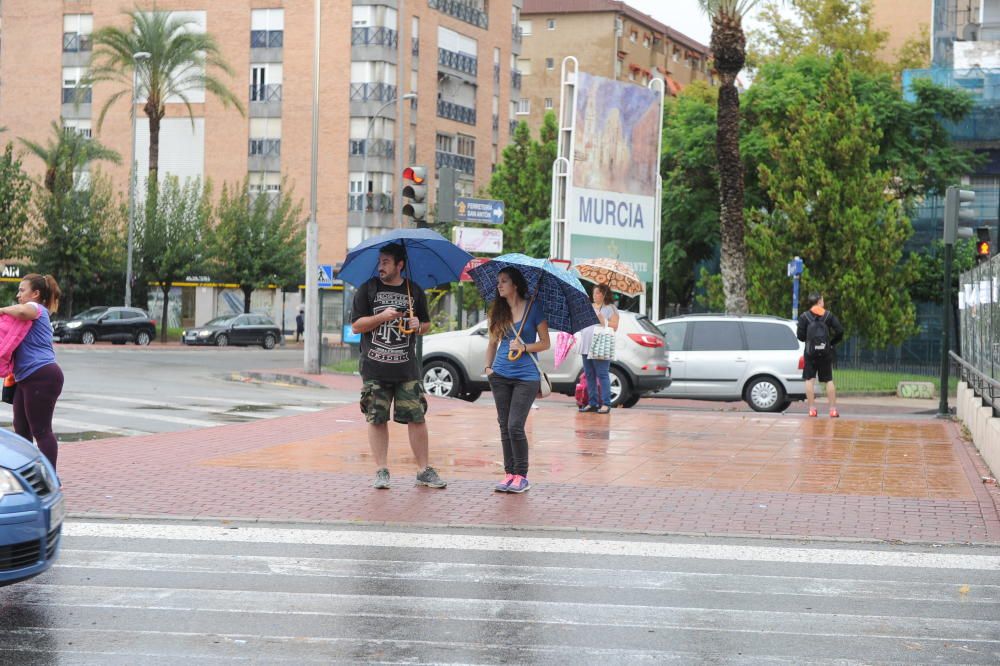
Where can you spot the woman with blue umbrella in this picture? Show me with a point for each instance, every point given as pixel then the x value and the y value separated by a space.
pixel 528 295
pixel 390 310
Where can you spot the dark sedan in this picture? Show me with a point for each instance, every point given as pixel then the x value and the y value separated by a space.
pixel 119 325
pixel 244 329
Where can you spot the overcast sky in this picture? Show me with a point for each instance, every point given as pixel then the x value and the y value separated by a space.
pixel 683 15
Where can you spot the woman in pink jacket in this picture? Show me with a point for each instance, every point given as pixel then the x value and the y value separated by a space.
pixel 39 378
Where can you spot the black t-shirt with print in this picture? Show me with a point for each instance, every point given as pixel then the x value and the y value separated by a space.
pixel 386 352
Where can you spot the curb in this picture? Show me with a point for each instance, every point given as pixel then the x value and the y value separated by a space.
pixel 273 378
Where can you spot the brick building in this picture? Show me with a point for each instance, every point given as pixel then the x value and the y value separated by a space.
pixel 609 38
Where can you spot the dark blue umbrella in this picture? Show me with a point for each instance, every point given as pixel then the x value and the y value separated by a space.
pixel 563 299
pixel 431 259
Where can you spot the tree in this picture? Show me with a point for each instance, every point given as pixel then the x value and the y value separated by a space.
pixel 181 60
pixel 729 52
pixel 171 240
pixel 523 181
pixel 257 242
pixel 830 208
pixel 67 154
pixel 15 203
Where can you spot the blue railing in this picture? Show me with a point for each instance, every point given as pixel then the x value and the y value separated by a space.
pixel 463 62
pixel 74 42
pixel 265 147
pixel 457 162
pixel 451 111
pixel 463 11
pixel 371 202
pixel 513 126
pixel 374 147
pixel 368 92
pixel 515 79
pixel 983 85
pixel 270 92
pixel 374 36
pixel 77 95
pixel 267 39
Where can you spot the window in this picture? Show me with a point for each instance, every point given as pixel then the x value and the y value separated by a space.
pixel 70 93
pixel 466 145
pixel 550 63
pixel 548 102
pixel 267 28
pixel 524 66
pixel 132 314
pixel 265 82
pixel 445 143
pixel 674 335
pixel 523 107
pixel 81 127
pixel 114 315
pixel 525 28
pixel 677 54
pixel 76 32
pixel 633 36
pixel 764 336
pixel 550 24
pixel 716 336
pixel 263 181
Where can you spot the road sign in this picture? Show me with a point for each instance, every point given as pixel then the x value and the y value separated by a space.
pixel 479 211
pixel 480 241
pixel 325 275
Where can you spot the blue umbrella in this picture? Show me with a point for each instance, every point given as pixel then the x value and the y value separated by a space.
pixel 431 259
pixel 563 299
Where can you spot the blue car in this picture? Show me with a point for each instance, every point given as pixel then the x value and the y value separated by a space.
pixel 31 510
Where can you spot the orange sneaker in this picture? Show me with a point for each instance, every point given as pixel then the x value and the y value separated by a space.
pixel 813 412
pixel 834 414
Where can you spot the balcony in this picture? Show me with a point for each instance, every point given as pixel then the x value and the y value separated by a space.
pixel 513 126
pixel 74 42
pixel 265 147
pixel 385 148
pixel 374 36
pixel 516 34
pixel 463 11
pixel 515 79
pixel 496 74
pixel 76 95
pixel 496 123
pixel 270 92
pixel 457 162
pixel 372 92
pixel 371 203
pixel 415 47
pixel 982 124
pixel 458 61
pixel 452 111
pixel 267 39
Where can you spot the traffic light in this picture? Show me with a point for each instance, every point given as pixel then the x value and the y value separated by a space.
pixel 984 249
pixel 445 195
pixel 957 210
pixel 415 189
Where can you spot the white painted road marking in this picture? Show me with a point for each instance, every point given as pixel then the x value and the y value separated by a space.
pixel 133 414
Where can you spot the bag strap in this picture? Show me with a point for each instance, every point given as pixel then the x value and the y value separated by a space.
pixel 531 355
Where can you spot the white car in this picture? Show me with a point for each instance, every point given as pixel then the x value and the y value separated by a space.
pixel 720 357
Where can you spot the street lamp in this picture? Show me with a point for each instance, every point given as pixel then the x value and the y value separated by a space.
pixel 364 167
pixel 137 57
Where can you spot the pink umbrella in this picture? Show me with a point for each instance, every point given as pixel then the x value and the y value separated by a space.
pixel 564 342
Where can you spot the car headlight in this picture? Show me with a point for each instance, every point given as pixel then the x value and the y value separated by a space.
pixel 204 334
pixel 74 324
pixel 9 485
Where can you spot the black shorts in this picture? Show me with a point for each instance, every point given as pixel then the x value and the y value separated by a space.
pixel 818 368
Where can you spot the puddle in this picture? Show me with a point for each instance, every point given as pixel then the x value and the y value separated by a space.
pixel 254 408
pixel 160 408
pixel 86 436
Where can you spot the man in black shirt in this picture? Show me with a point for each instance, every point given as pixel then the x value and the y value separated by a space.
pixel 821 331
pixel 389 312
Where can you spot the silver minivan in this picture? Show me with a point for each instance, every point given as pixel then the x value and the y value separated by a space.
pixel 454 361
pixel 720 357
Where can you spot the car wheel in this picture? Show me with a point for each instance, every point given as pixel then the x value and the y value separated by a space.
pixel 631 401
pixel 441 379
pixel 221 340
pixel 619 387
pixel 765 394
pixel 88 337
pixel 268 341
pixel 471 396
pixel 142 338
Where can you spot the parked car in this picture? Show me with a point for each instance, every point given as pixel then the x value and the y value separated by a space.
pixel 454 362
pixel 719 357
pixel 31 510
pixel 242 329
pixel 119 325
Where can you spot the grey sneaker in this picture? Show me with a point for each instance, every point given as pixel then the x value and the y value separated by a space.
pixel 429 477
pixel 382 478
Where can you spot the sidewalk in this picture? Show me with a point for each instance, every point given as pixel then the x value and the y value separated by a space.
pixel 650 470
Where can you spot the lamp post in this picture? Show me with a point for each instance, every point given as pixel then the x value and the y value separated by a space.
pixel 311 346
pixel 364 166
pixel 137 57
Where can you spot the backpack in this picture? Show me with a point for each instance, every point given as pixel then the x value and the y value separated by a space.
pixel 818 336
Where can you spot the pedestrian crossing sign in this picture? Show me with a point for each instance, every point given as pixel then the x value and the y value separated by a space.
pixel 325 275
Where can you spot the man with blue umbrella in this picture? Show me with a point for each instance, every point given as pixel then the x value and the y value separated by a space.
pixel 390 310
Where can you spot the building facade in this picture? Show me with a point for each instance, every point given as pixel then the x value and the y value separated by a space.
pixel 457 57
pixel 901 20
pixel 608 38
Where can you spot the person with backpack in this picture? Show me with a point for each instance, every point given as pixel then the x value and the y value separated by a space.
pixel 821 331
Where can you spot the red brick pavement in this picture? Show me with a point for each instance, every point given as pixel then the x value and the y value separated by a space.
pixel 649 471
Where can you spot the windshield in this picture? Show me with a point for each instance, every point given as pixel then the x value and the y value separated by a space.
pixel 220 321
pixel 92 313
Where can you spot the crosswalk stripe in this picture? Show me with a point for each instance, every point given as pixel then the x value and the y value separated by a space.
pixel 152 417
pixel 96 427
pixel 184 407
pixel 744 553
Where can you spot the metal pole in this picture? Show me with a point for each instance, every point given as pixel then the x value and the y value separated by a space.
pixel 311 345
pixel 403 60
pixel 795 297
pixel 946 324
pixel 136 58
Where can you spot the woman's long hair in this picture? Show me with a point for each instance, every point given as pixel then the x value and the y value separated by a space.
pixel 501 318
pixel 605 290
pixel 47 288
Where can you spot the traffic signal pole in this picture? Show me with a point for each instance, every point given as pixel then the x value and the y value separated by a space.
pixel 949 250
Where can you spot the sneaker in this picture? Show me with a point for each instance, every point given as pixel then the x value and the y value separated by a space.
pixel 382 479
pixel 518 485
pixel 587 408
pixel 813 412
pixel 834 414
pixel 505 486
pixel 429 477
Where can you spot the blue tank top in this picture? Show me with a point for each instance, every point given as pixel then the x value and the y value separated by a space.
pixel 523 368
pixel 35 351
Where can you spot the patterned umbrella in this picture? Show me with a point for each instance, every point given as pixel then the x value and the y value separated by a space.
pixel 611 272
pixel 560 294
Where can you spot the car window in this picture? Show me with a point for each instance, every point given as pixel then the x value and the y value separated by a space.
pixel 646 325
pixel 220 321
pixel 716 336
pixel 243 320
pixel 765 336
pixel 674 334
pixel 265 321
pixel 132 314
pixel 92 313
pixel 113 316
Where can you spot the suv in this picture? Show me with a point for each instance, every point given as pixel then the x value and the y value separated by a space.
pixel 718 357
pixel 454 362
pixel 120 325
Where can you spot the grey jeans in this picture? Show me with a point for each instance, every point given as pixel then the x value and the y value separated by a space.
pixel 513 398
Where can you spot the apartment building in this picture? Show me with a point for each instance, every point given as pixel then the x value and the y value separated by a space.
pixel 608 38
pixel 902 20
pixel 456 56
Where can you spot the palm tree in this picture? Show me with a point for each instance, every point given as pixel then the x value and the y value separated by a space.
pixel 180 60
pixel 729 51
pixel 66 153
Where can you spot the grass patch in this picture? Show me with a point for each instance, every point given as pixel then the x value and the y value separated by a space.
pixel 347 366
pixel 852 380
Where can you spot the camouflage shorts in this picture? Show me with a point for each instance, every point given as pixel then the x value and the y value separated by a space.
pixel 408 396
